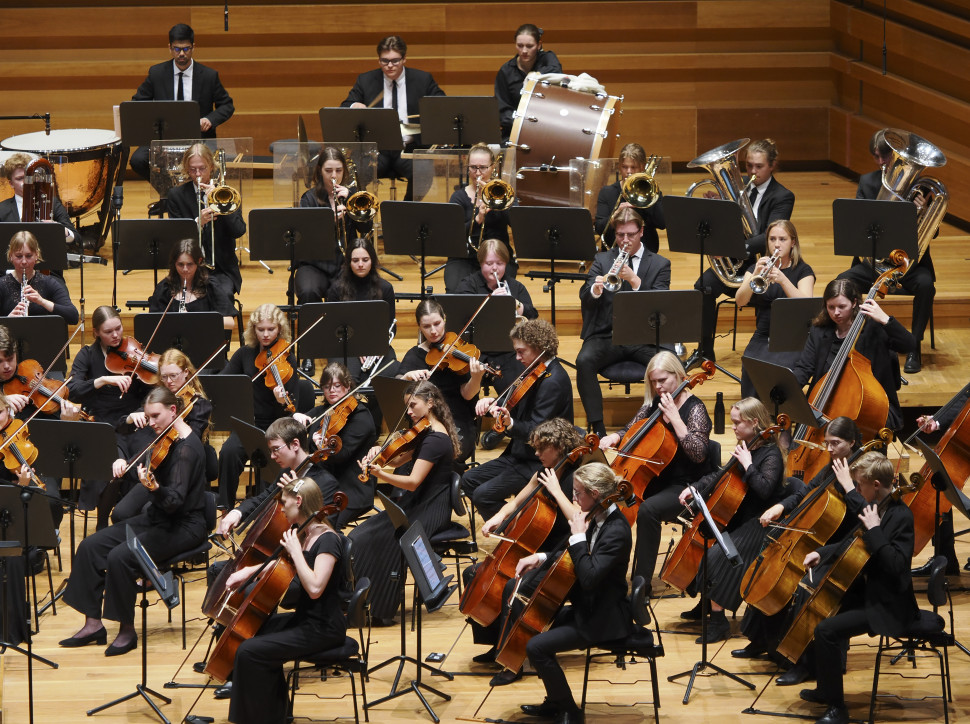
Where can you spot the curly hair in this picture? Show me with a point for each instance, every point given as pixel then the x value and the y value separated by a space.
pixel 538 334
pixel 201 278
pixel 559 433
pixel 266 313
pixel 15 161
pixel 429 393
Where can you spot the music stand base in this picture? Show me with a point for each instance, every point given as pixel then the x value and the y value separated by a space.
pixel 703 666
pixel 143 692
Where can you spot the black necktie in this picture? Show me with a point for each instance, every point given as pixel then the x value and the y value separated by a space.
pixel 754 197
pixel 394 103
pixel 180 94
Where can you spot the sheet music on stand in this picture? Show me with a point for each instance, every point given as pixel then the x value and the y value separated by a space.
pixel 722 538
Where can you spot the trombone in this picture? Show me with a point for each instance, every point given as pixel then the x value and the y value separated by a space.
pixel 639 189
pixel 497 195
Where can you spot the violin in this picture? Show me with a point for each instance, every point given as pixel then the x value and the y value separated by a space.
pixel 333 422
pixel 17 450
pixel 455 354
pixel 517 390
pixel 129 357
pixel 520 536
pixel 29 380
pixel 398 449
pixel 279 371
pixel 723 502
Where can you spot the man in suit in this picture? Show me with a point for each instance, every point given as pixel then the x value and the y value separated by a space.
pixel 881 601
pixel 394 86
pixel 633 160
pixel 644 270
pixel 183 79
pixel 769 201
pixel 920 280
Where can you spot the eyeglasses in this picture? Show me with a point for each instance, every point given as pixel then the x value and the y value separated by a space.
pixel 479 169
pixel 626 235
pixel 333 386
pixel 171 378
pixel 276 449
pixel 391 61
pixel 181 49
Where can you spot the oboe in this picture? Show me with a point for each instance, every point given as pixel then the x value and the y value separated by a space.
pixel 23 292
pixel 182 299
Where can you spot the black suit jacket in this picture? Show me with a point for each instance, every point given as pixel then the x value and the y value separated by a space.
pixel 653 218
pixel 654 273
pixel 547 399
pixel 8 212
pixel 369 85
pixel 777 203
pixel 214 102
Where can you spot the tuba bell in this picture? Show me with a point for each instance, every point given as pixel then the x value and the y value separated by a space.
pixel 901 181
pixel 722 164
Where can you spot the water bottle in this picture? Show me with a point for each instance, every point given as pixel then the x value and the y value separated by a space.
pixel 719 414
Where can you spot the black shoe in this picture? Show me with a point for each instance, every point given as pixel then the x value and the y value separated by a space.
pixel 197 719
pixel 598 428
pixel 485 658
pixel 123 649
pixel 718 629
pixel 573 716
pixel 914 363
pixel 491 439
pixel 834 715
pixel 504 678
pixel 696 358
pixel 751 651
pixel 795 675
pixel 546 709
pixel 199 667
pixel 695 613
pixel 922 571
pixel 99 637
pixel 813 696
pixel 224 691
pixel 307 367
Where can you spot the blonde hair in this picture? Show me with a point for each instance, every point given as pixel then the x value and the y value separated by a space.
pixel 789 227
pixel 597 478
pixel 311 500
pixel 22 239
pixel 266 313
pixel 666 361
pixel 200 150
pixel 178 358
pixel 751 409
pixel 874 467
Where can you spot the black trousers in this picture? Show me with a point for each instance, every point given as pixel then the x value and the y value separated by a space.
pixel 658 508
pixel 490 484
pixel 595 354
pixel 831 638
pixel 391 165
pixel 232 461
pixel 310 284
pixel 564 635
pixel 918 281
pixel 713 288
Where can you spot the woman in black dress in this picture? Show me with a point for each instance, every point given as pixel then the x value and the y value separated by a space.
pixel 790 277
pixel 529 57
pixel 42 293
pixel 460 391
pixel 426 497
pixel 188 282
pixel 318 623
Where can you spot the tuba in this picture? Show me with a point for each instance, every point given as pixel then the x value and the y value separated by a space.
pixel 722 164
pixel 38 191
pixel 901 181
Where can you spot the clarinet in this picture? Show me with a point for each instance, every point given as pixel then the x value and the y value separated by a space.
pixel 23 292
pixel 182 299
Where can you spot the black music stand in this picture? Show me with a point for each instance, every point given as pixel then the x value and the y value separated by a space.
pixel 168 591
pixel 291 235
pixel 194 333
pixel 390 393
pixel 456 120
pixel 39 338
pixel 868 228
pixel 710 532
pixel 231 396
pixel 254 442
pixel 74 451
pixel 362 125
pixel 779 384
pixel 656 317
pixel 553 233
pixel 50 237
pixel 490 330
pixel 423 229
pixel 149 242
pixel 349 329
pixel 791 320
pixel 145 121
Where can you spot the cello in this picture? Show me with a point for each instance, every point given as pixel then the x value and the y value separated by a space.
pixel 520 535
pixel 649 446
pixel 848 388
pixel 723 502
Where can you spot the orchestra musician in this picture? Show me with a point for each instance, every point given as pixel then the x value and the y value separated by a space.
pixel 529 57
pixel 789 277
pixel 633 160
pixel 268 329
pixel 183 79
pixel 599 546
pixel 357 435
pixel 550 396
pixel 763 475
pixel 769 201
pixel 686 415
pixel 879 342
pixel 218 232
pixel 920 279
pixel 107 397
pixel 187 271
pixel 103 577
pixel 400 88
pixel 881 600
pixel 460 391
pixel 25 292
pixel 426 497
pixel 481 168
pixel 645 270
pixel 14 169
pixel 493 277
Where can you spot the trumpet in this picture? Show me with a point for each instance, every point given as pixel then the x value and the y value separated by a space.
pixel 499 284
pixel 759 282
pixel 611 280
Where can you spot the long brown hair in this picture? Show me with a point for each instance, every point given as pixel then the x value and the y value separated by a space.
pixel 429 393
pixel 837 288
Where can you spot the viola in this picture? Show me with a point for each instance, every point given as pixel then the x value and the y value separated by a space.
pixel 29 380
pixel 129 357
pixel 271 581
pixel 649 445
pixel 723 502
pixel 520 535
pixel 279 371
pixel 455 354
pixel 848 389
pixel 518 389
pixel 398 449
pixel 17 450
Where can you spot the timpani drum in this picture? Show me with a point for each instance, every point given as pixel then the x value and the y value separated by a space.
pixel 552 125
pixel 84 160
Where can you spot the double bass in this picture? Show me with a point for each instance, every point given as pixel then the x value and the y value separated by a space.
pixel 849 388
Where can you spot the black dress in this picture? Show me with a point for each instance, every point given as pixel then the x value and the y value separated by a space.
pixel 259 693
pixel 213 300
pixel 376 554
pixel 48 286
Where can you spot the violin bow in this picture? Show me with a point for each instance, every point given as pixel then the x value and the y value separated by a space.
pixel 288 347
pixel 43 377
pixel 334 406
pixel 180 416
pixel 950 403
pixel 144 351
pixel 509 391
pixel 204 364
pixel 6 443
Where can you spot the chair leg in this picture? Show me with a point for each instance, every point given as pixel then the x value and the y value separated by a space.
pixel 734 337
pixel 875 679
pixel 182 606
pixel 656 690
pixel 50 581
pixel 932 330
pixel 582 704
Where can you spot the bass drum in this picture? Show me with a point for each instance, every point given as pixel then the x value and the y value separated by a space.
pixel 84 161
pixel 552 125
